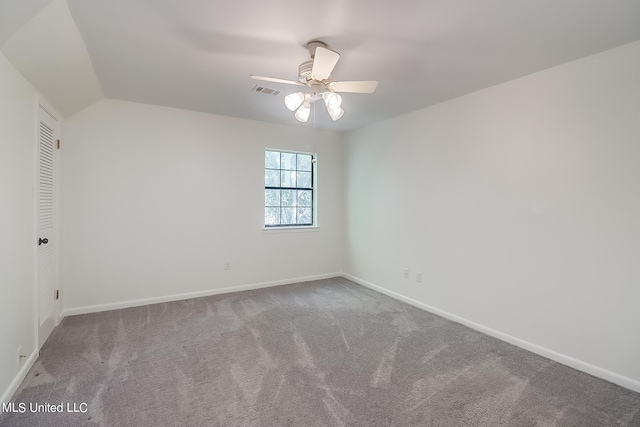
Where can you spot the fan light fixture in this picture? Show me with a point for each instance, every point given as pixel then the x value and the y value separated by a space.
pixel 293 101
pixel 335 113
pixel 332 99
pixel 302 114
pixel 301 103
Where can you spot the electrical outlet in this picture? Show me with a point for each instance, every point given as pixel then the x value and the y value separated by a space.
pixel 406 273
pixel 419 277
pixel 227 265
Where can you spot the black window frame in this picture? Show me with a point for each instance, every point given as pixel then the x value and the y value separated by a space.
pixel 312 188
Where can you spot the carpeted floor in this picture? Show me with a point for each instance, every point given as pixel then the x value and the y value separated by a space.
pixel 324 353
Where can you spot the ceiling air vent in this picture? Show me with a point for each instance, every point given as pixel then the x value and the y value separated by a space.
pixel 265 90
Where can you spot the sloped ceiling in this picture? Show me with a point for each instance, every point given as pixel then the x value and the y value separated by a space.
pixel 49 51
pixel 198 54
pixel 15 13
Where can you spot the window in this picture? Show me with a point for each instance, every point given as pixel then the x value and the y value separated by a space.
pixel 288 189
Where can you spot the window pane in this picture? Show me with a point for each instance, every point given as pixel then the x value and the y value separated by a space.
pixel 304 198
pixel 288 198
pixel 272 197
pixel 288 195
pixel 271 216
pixel 272 159
pixel 288 179
pixel 288 216
pixel 271 178
pixel 304 162
pixel 304 215
pixel 288 161
pixel 304 179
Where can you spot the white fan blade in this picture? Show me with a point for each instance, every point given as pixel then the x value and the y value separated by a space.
pixel 271 79
pixel 324 61
pixel 353 87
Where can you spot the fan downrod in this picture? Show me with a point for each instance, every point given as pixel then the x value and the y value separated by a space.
pixel 312 45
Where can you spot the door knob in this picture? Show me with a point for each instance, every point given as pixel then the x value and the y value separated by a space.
pixel 42 241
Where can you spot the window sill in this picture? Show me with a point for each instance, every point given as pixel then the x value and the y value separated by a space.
pixel 299 229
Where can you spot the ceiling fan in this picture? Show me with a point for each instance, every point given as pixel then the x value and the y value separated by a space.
pixel 316 75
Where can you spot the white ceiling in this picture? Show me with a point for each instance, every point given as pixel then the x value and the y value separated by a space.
pixel 50 53
pixel 198 54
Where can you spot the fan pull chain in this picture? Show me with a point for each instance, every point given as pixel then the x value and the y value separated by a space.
pixel 314 160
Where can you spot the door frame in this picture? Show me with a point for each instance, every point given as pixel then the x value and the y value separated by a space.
pixel 42 104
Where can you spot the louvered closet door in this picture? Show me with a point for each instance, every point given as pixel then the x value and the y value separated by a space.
pixel 46 274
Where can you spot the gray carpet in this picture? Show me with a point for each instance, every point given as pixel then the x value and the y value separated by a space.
pixel 324 353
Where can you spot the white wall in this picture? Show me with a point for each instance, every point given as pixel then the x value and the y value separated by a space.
pixel 157 199
pixel 18 109
pixel 520 205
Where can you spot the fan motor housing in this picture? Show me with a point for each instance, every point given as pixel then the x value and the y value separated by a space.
pixel 304 71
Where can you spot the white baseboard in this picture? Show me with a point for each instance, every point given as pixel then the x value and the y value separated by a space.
pixel 22 373
pixel 178 297
pixel 542 351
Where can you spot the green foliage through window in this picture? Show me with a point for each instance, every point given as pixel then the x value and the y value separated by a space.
pixel 288 189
